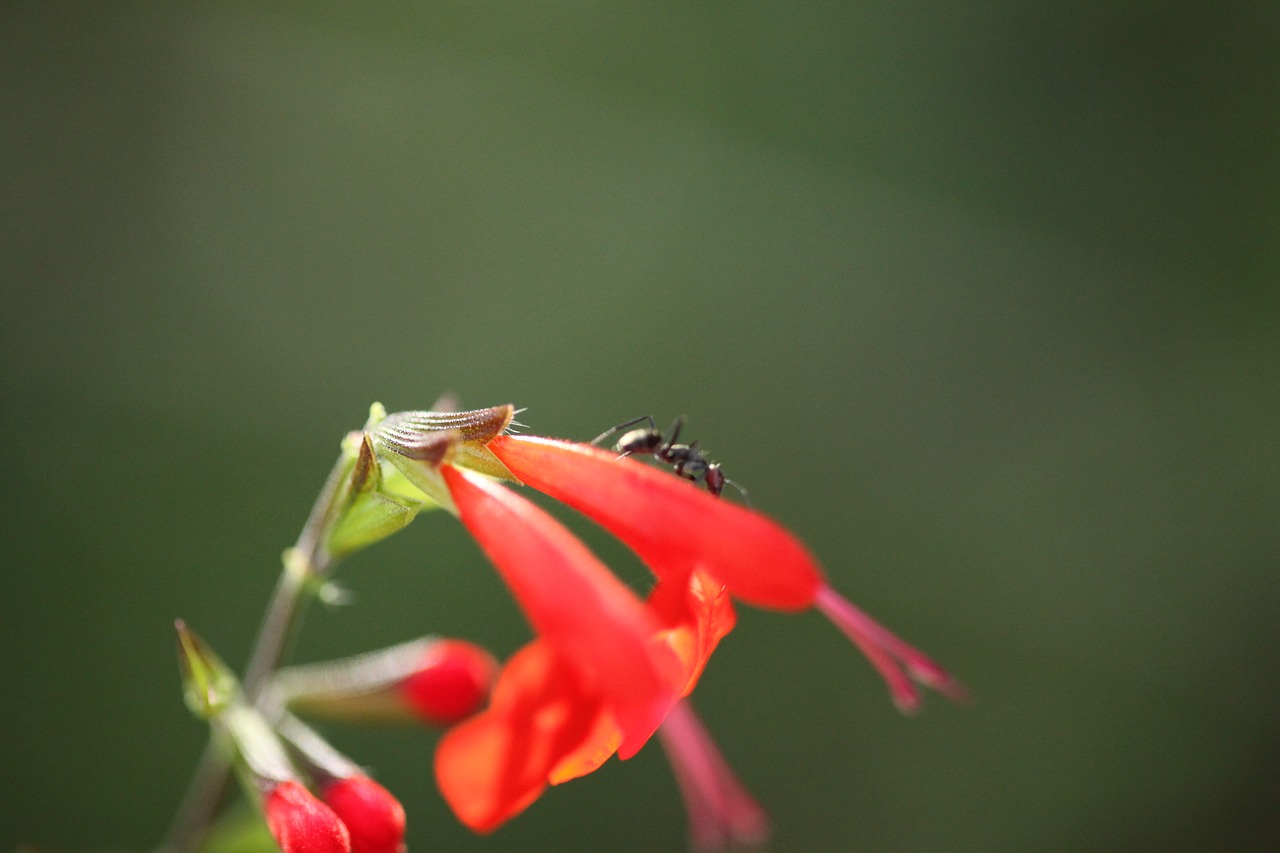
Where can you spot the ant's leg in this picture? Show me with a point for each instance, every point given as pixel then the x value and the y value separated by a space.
pixel 611 430
pixel 694 469
pixel 675 429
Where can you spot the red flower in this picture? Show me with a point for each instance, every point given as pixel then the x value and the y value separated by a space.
pixel 607 669
pixel 451 683
pixel 373 817
pixel 302 824
pixel 372 820
pixel 574 602
pixel 551 721
pixel 674 526
pixel 433 680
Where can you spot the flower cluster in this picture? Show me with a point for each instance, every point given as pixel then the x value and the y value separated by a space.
pixel 282 760
pixel 605 669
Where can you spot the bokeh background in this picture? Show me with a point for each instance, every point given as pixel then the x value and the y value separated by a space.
pixel 980 299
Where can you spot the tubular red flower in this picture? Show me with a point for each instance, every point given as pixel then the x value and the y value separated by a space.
pixel 547 724
pixel 676 527
pixel 302 824
pixel 373 817
pixel 451 683
pixel 672 525
pixel 494 765
pixel 575 603
pixel 606 670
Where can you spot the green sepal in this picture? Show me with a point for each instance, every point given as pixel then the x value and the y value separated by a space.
pixel 370 506
pixel 418 443
pixel 422 477
pixel 396 485
pixel 312 752
pixel 377 414
pixel 370 517
pixel 257 750
pixel 208 685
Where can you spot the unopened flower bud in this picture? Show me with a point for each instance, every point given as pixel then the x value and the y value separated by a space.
pixel 208 686
pixel 372 815
pixel 451 683
pixel 302 824
pixel 431 680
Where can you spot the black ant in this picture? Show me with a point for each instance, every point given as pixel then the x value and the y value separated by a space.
pixel 688 460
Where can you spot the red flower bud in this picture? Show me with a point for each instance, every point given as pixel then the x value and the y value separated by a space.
pixel 452 682
pixel 373 816
pixel 302 824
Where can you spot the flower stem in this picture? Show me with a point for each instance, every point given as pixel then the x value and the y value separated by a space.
pixel 277 627
pixel 304 564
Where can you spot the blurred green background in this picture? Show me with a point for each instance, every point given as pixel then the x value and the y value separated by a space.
pixel 980 299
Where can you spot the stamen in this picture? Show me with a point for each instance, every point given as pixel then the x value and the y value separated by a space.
pixel 886 651
pixel 722 814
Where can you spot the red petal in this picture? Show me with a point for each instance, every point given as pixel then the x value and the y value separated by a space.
pixel 302 824
pixel 546 724
pixel 673 525
pixel 452 682
pixel 494 765
pixel 574 602
pixel 698 614
pixel 372 815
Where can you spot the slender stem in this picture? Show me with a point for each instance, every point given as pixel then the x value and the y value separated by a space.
pixel 307 561
pixel 199 802
pixel 277 627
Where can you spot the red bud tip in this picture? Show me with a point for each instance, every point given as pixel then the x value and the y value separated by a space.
pixel 452 683
pixel 373 816
pixel 302 824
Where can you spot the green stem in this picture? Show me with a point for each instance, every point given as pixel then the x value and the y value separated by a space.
pixel 278 626
pixel 305 564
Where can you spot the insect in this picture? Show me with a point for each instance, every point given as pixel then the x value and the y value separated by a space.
pixel 689 462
